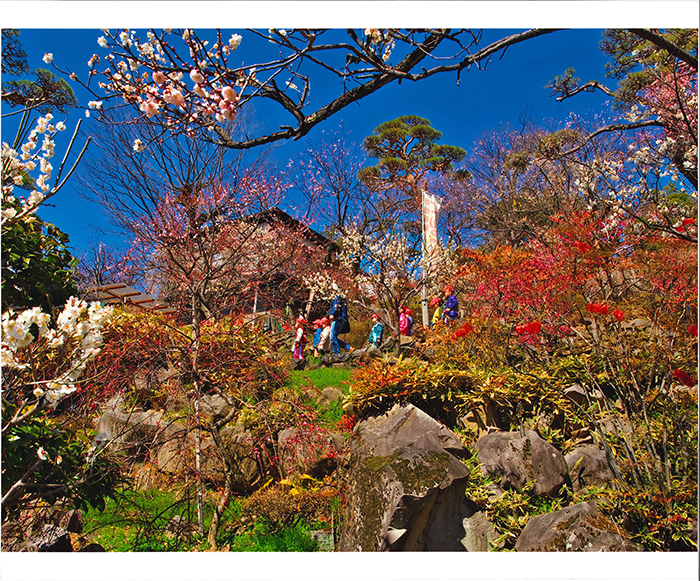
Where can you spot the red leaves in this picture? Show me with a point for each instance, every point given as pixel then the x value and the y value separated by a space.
pixel 685 223
pixel 603 309
pixel 533 328
pixel 684 378
pixel 582 246
pixel 693 330
pixel 599 308
pixel 463 331
pixel 346 423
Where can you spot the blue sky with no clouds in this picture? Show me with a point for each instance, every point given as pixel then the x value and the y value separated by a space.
pixel 484 101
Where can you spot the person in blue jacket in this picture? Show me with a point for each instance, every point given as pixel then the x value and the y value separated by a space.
pixel 338 315
pixel 450 307
pixel 375 334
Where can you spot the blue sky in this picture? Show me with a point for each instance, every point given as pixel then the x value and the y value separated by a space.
pixel 483 102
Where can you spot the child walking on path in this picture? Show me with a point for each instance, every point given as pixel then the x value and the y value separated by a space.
pixel 318 325
pixel 299 339
pixel 324 342
pixel 375 334
pixel 406 321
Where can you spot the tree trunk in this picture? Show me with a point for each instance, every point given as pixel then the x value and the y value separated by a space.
pixel 197 429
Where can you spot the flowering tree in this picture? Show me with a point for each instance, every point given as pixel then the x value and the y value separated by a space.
pixel 325 176
pixel 187 82
pixel 42 365
pixel 103 264
pixel 658 95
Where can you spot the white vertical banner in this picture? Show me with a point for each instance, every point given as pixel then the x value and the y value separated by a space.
pixel 431 215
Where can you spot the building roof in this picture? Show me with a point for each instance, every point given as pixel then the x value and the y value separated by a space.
pixel 122 294
pixel 276 215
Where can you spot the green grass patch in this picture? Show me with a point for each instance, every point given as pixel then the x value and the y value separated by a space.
pixel 263 539
pixel 322 378
pixel 328 414
pixel 138 521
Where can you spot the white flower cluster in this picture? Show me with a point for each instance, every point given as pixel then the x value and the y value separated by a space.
pixel 383 40
pixel 17 168
pixel 78 332
pixel 16 334
pixel 386 257
pixel 322 284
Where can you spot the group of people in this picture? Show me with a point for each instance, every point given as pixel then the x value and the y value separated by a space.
pixel 446 309
pixel 336 322
pixel 327 329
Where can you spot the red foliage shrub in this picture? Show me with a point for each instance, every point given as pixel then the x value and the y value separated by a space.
pixel 598 308
pixel 533 328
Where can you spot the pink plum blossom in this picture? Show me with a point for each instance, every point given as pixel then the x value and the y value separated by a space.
pixel 196 76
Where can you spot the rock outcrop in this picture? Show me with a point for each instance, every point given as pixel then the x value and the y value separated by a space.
pixel 313 453
pixel 573 529
pixel 405 486
pixel 134 431
pixel 591 470
pixel 518 458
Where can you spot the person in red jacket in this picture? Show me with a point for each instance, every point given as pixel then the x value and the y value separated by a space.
pixel 299 339
pixel 406 321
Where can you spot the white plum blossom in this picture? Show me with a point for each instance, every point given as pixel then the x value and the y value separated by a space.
pixel 78 336
pixel 234 41
pixel 48 57
pixel 138 145
pixel 229 93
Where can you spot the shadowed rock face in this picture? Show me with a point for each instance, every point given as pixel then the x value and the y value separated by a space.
pixel 520 458
pixel 588 466
pixel 577 528
pixel 405 486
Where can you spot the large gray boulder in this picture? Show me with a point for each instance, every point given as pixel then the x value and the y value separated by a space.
pixel 134 431
pixel 214 407
pixel 177 456
pixel 591 470
pixel 518 458
pixel 250 470
pixel 479 533
pixel 405 485
pixel 575 528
